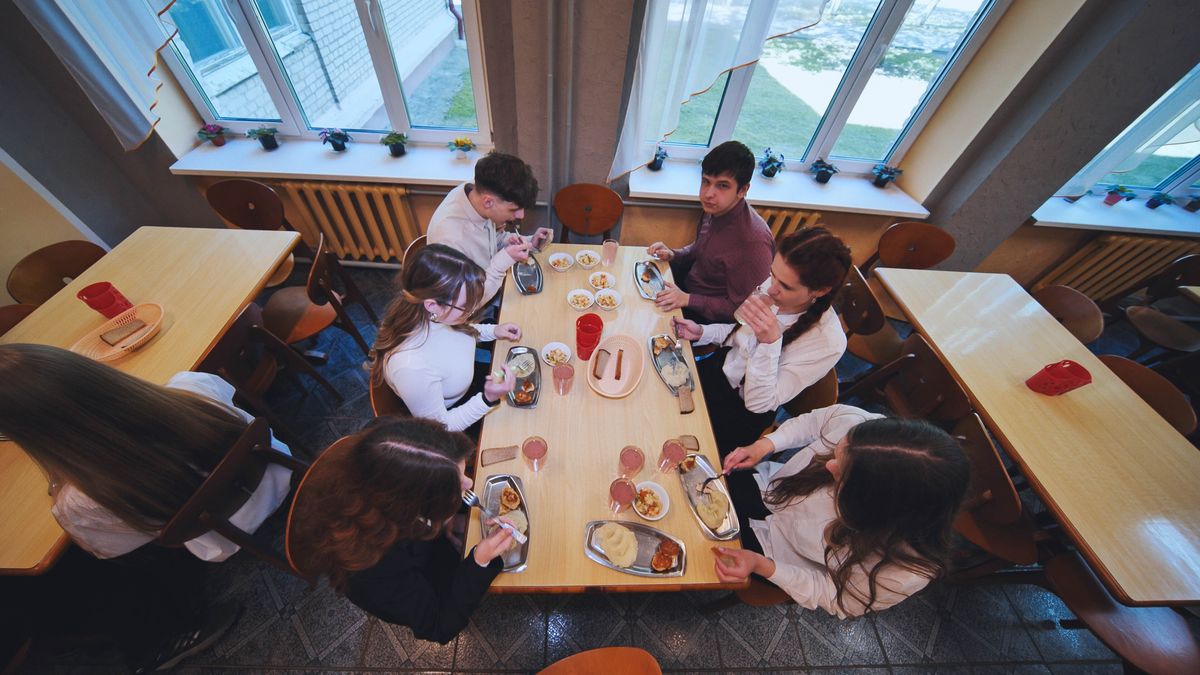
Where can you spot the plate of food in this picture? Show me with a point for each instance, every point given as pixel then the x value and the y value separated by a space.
pixel 651 502
pixel 580 299
pixel 527 275
pixel 601 280
pixel 587 258
pixel 523 363
pixel 556 354
pixel 608 299
pixel 504 496
pixel 713 509
pixel 561 262
pixel 634 548
pixel 648 279
pixel 616 366
pixel 666 355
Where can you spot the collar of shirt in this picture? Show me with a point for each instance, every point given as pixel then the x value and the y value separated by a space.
pixel 718 222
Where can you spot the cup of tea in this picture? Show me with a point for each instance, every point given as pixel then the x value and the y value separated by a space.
pixel 672 454
pixel 104 298
pixel 609 253
pixel 534 451
pixel 630 461
pixel 621 493
pixel 1059 378
pixel 564 374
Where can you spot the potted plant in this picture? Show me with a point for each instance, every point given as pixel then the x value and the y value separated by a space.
pixel 212 132
pixel 266 136
pixel 1071 199
pixel 335 138
pixel 771 163
pixel 822 171
pixel 461 146
pixel 659 155
pixel 1159 199
pixel 884 174
pixel 395 142
pixel 1116 193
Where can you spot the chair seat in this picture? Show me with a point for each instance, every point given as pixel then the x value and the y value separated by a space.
pixel 1013 542
pixel 282 272
pixel 606 660
pixel 882 346
pixel 292 317
pixel 1163 330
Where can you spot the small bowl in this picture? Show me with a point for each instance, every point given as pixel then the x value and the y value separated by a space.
pixel 662 497
pixel 582 258
pixel 551 346
pixel 602 280
pixel 579 292
pixel 608 294
pixel 565 257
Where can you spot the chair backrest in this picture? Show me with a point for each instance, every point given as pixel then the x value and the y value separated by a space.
pixel 384 401
pixel 1074 310
pixel 820 394
pixel 11 315
pixel 320 281
pixel 604 661
pixel 413 246
pixel 923 388
pixel 587 209
pixel 857 305
pixel 247 204
pixel 1183 271
pixel 39 275
pixel 911 245
pixel 321 478
pixel 991 497
pixel 1156 390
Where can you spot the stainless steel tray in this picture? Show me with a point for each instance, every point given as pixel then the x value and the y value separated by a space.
pixel 648 539
pixel 666 356
pixel 515 559
pixel 691 480
pixel 531 383
pixel 648 279
pixel 527 276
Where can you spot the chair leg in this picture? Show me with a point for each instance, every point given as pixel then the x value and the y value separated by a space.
pixel 353 292
pixel 295 362
pixel 347 325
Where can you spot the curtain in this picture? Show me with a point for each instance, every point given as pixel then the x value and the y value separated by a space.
pixel 111 49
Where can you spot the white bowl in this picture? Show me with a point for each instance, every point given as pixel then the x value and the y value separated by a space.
pixel 551 346
pixel 608 293
pixel 595 258
pixel 662 497
pixel 591 299
pixel 554 257
pixel 602 280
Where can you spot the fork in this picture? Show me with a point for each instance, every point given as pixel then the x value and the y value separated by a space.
pixel 470 499
pixel 703 487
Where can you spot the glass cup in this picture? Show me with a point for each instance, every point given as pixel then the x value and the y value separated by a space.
pixel 630 461
pixel 621 493
pixel 534 450
pixel 588 329
pixel 737 313
pixel 609 254
pixel 104 298
pixel 564 374
pixel 672 454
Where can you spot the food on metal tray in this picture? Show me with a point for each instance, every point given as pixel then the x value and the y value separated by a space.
pixel 675 374
pixel 618 543
pixel 712 507
pixel 522 365
pixel 647 503
pixel 510 499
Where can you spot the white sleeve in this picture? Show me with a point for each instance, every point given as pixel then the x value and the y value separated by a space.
pixel 715 333
pixel 775 375
pixel 812 587
pixel 421 391
pixel 496 270
pixel 487 331
pixel 831 423
pixel 94 528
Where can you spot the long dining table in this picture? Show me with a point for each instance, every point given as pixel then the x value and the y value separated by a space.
pixel 1117 477
pixel 203 278
pixel 586 431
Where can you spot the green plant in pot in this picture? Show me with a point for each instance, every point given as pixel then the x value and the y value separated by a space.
pixel 461 146
pixel 212 132
pixel 884 174
pixel 1159 199
pixel 771 163
pixel 1117 193
pixel 1071 199
pixel 659 155
pixel 395 142
pixel 266 136
pixel 336 138
pixel 822 171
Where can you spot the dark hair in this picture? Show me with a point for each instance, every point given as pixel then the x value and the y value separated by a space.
pixel 822 261
pixel 730 157
pixel 901 485
pixel 138 449
pixel 396 480
pixel 507 177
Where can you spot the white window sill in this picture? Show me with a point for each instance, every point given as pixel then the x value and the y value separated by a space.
pixel 1090 213
pixel 310 160
pixel 788 189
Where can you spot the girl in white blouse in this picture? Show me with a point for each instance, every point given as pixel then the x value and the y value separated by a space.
pixel 425 348
pixel 856 521
pixel 774 357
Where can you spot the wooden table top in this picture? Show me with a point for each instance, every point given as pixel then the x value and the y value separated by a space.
pixel 1116 475
pixel 585 432
pixel 201 277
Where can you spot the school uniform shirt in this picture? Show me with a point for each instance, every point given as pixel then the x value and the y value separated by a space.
pixel 433 369
pixel 731 254
pixel 793 536
pixel 101 533
pixel 458 225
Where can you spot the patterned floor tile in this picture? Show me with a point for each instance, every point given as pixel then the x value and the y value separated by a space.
pixel 669 626
pixel 419 653
pixel 829 641
pixel 507 631
pixel 908 631
pixel 1087 669
pixel 1040 611
pixel 367 645
pixel 326 619
pixel 577 623
pixel 759 637
pixel 982 627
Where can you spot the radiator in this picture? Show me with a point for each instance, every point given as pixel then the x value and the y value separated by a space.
pixel 360 221
pixel 1112 264
pixel 786 221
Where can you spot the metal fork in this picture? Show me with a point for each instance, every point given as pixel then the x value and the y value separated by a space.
pixel 703 487
pixel 470 499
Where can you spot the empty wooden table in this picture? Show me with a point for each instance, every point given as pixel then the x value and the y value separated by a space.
pixel 1119 479
pixel 202 278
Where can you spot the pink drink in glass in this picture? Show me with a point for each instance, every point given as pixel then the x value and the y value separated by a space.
pixel 631 461
pixel 670 457
pixel 609 254
pixel 534 449
pixel 563 376
pixel 621 493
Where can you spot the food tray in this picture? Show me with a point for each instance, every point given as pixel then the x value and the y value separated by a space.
pixel 530 384
pixel 648 539
pixel 527 276
pixel 691 480
pixel 667 356
pixel 514 559
pixel 648 279
pixel 633 363
pixel 93 347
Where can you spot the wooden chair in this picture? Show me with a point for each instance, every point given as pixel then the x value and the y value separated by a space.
pixel 916 385
pixel 226 489
pixel 298 313
pixel 587 209
pixel 605 661
pixel 1156 329
pixel 820 394
pixel 251 205
pixel 39 275
pixel 868 334
pixel 911 245
pixel 384 401
pixel 1183 271
pixel 1156 390
pixel 1074 310
pixel 11 315
pixel 413 246
pixel 321 478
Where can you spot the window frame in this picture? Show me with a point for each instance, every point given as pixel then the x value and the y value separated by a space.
pixel 1178 183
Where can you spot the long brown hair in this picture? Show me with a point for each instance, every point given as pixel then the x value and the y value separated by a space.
pixel 436 272
pixel 821 260
pixel 901 485
pixel 138 449
pixel 397 480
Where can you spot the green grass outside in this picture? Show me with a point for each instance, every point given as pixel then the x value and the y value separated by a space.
pixel 1149 173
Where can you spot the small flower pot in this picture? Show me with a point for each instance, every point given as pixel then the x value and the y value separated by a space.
pixel 1112 198
pixel 770 171
pixel 460 154
pixel 655 165
pixel 338 146
pixel 218 141
pixel 1192 206
pixel 1154 203
pixel 822 176
pixel 397 149
pixel 880 181
pixel 268 142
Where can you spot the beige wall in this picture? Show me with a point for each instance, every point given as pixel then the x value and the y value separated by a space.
pixel 178 120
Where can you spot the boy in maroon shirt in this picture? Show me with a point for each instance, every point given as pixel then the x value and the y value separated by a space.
pixel 732 252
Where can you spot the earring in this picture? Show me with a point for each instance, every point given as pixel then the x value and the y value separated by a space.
pixel 433 317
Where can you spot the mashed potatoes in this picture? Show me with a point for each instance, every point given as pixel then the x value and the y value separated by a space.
pixel 618 543
pixel 712 508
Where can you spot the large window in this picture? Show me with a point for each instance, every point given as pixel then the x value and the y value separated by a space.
pixel 855 88
pixel 359 65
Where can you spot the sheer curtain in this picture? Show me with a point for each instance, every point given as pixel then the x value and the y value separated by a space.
pixel 111 49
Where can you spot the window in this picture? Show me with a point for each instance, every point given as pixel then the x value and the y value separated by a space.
pixel 855 88
pixel 360 65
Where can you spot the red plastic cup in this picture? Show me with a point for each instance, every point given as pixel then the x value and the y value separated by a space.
pixel 588 329
pixel 630 461
pixel 534 449
pixel 1059 378
pixel 621 493
pixel 672 454
pixel 104 298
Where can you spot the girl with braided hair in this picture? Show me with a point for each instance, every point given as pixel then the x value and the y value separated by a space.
pixel 774 357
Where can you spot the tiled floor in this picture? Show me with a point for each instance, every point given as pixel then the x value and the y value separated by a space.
pixel 286 626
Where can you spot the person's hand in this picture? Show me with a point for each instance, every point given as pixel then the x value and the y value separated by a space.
pixel 517 249
pixel 492 545
pixel 660 250
pixel 757 314
pixel 543 235
pixel 687 329
pixel 748 456
pixel 671 298
pixel 735 564
pixel 494 391
pixel 508 331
